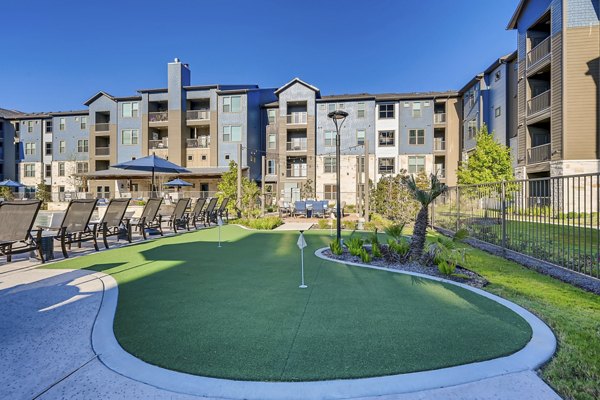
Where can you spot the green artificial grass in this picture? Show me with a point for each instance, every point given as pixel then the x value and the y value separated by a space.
pixel 236 312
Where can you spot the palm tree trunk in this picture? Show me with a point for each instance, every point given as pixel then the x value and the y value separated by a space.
pixel 418 238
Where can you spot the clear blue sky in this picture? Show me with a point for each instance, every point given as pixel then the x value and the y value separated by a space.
pixel 57 54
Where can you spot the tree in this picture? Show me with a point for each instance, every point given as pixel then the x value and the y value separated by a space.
pixel 391 198
pixel 6 193
pixel 307 190
pixel 425 197
pixel 489 162
pixel 43 194
pixel 227 187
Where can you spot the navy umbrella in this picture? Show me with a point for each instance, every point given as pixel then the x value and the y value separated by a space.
pixel 11 184
pixel 177 183
pixel 152 164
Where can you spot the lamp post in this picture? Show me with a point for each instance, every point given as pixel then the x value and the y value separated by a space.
pixel 338 118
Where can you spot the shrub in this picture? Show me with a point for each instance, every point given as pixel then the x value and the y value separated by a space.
pixel 374 238
pixel 364 255
pixel 336 247
pixel 376 250
pixel 266 223
pixel 348 225
pixel 400 247
pixel 355 245
pixel 395 231
pixel 446 267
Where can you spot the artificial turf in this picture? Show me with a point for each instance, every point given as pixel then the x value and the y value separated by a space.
pixel 236 312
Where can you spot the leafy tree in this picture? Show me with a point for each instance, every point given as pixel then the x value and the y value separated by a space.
pixel 489 162
pixel 391 198
pixel 425 197
pixel 227 187
pixel 43 194
pixel 307 190
pixel 6 193
pixel 250 195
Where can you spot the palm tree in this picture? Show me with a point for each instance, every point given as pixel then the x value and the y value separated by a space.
pixel 425 197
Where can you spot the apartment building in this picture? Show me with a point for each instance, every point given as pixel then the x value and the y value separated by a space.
pixel 558 96
pixel 8 156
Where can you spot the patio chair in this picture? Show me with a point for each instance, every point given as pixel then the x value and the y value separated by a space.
pixel 299 208
pixel 75 226
pixel 210 209
pixel 16 236
pixel 150 218
pixel 197 213
pixel 284 208
pixel 318 209
pixel 223 209
pixel 179 218
pixel 114 222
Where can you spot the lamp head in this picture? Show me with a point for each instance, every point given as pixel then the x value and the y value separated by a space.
pixel 337 114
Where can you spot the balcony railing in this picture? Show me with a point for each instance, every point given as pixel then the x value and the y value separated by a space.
pixel 297 145
pixel 159 144
pixel 296 118
pixel 539 154
pixel 102 151
pixel 439 144
pixel 539 52
pixel 202 142
pixel 441 172
pixel 299 171
pixel 439 118
pixel 198 115
pixel 539 103
pixel 102 127
pixel 158 116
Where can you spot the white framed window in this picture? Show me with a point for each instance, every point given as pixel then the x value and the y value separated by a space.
pixel 497 112
pixel 416 109
pixel 83 123
pixel 329 138
pixel 271 115
pixel 61 169
pixel 62 146
pixel 130 136
pixel 48 170
pixel 82 167
pixel 29 126
pixel 62 123
pixel 29 170
pixel 232 133
pixel 272 141
pixel 130 109
pixel 82 146
pixel 329 165
pixel 232 103
pixel 416 136
pixel 416 164
pixel 471 129
pixel 360 110
pixel 329 192
pixel 360 137
pixel 271 167
pixel 48 148
pixel 30 148
pixel 386 138
pixel 386 111
pixel 48 128
pixel 386 165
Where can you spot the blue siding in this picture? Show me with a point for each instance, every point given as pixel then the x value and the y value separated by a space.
pixel 407 122
pixel 127 152
pixel 70 135
pixel 581 13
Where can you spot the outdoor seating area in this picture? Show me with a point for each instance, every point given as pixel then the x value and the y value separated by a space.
pixel 77 225
pixel 307 208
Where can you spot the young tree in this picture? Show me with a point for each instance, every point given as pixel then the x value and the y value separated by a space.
pixel 391 198
pixel 6 193
pixel 43 194
pixel 307 190
pixel 227 187
pixel 489 162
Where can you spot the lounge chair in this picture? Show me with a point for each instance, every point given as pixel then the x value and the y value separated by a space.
pixel 179 218
pixel 284 208
pixel 150 218
pixel 16 236
pixel 223 209
pixel 197 213
pixel 113 221
pixel 75 226
pixel 318 209
pixel 210 209
pixel 299 208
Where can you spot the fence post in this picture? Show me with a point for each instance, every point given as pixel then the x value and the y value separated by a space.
pixel 457 208
pixel 503 210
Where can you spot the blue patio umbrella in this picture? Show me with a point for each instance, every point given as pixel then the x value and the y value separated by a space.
pixel 178 183
pixel 11 184
pixel 152 164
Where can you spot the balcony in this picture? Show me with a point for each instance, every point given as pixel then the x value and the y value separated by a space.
pixel 439 118
pixel 159 144
pixel 102 151
pixel 299 144
pixel 102 127
pixel 440 171
pixel 297 171
pixel 297 118
pixel 539 53
pixel 539 104
pixel 539 154
pixel 439 144
pixel 203 142
pixel 198 115
pixel 158 116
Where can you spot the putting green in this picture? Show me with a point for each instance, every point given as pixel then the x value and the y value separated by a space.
pixel 236 312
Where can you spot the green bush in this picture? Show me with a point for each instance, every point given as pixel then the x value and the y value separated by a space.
pixel 376 250
pixel 266 223
pixel 446 267
pixel 336 247
pixel 373 238
pixel 348 225
pixel 364 255
pixel 400 247
pixel 355 245
pixel 395 231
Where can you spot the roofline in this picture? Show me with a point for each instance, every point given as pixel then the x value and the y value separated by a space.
pixel 75 112
pixel 473 80
pixel 497 62
pixel 96 96
pixel 156 90
pixel 415 96
pixel 125 98
pixel 512 24
pixel 300 81
pixel 346 97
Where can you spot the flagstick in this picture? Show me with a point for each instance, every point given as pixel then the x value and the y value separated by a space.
pixel 302 286
pixel 220 222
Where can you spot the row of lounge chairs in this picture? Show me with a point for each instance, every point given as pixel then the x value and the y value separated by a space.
pixel 18 234
pixel 308 208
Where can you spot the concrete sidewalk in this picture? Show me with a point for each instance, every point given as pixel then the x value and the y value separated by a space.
pixel 46 320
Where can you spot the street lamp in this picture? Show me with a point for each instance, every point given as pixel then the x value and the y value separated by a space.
pixel 338 118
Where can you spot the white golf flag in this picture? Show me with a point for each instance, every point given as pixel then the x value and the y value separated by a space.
pixel 301 242
pixel 220 221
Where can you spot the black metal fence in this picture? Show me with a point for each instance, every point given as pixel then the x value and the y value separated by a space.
pixel 551 219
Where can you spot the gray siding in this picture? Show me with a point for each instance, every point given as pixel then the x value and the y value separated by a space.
pixel 234 119
pixel 407 122
pixel 582 13
pixel 70 135
pixel 497 97
pixel 127 152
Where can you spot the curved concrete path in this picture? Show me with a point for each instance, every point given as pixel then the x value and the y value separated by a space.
pixel 46 328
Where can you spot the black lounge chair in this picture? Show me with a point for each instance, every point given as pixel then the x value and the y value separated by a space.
pixel 112 222
pixel 223 209
pixel 16 235
pixel 75 226
pixel 179 218
pixel 150 218
pixel 197 213
pixel 210 210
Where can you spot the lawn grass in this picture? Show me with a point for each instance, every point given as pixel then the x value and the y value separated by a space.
pixel 237 312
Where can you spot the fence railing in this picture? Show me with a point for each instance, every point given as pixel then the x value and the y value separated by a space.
pixel 539 103
pixel 102 127
pixel 551 219
pixel 439 118
pixel 539 52
pixel 297 145
pixel 202 142
pixel 539 153
pixel 298 172
pixel 102 151
pixel 197 115
pixel 159 144
pixel 439 144
pixel 158 116
pixel 297 118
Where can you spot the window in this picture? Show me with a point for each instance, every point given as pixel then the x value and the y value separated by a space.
pixel 386 138
pixel 329 165
pixel 48 170
pixel 17 127
pixel 82 146
pixel 29 148
pixel 329 138
pixel 471 129
pixel 416 109
pixel 498 76
pixel 386 165
pixel 416 136
pixel 82 167
pixel 190 158
pixel 360 137
pixel 271 114
pixel 497 112
pixel 130 110
pixel 386 111
pixel 272 141
pixel 83 123
pixel 29 170
pixel 330 107
pixel 360 110
pixel 329 192
pixel 416 164
pixel 203 157
pixel 62 123
pixel 227 156
pixel 61 169
pixel 360 162
pixel 29 126
pixel 49 126
pixel 130 136
pixel 48 151
pixel 231 103
pixel 271 167
pixel 232 133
